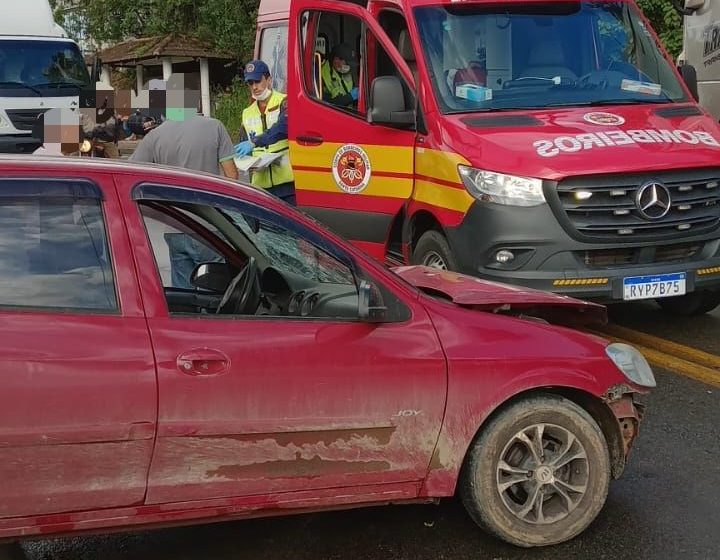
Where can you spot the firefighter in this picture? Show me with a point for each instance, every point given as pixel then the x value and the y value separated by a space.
pixel 265 130
pixel 338 86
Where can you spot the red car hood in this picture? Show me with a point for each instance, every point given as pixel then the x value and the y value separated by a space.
pixel 467 291
pixel 554 144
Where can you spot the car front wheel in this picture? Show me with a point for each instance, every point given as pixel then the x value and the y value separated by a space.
pixel 538 474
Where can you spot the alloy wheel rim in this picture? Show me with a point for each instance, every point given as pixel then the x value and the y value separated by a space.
pixel 543 474
pixel 435 260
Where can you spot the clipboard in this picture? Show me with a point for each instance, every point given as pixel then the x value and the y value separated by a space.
pixel 255 163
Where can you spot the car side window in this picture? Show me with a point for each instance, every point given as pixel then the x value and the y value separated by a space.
pixel 176 247
pixel 54 254
pixel 251 262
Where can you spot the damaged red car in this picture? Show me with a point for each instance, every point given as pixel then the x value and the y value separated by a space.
pixel 179 348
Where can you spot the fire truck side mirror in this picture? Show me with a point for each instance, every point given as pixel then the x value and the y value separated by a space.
pixel 689 75
pixel 687 7
pixel 387 104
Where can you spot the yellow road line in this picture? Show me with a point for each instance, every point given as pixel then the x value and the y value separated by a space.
pixel 684 360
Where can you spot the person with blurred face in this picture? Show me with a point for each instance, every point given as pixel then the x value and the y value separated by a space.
pixel 187 139
pixel 61 132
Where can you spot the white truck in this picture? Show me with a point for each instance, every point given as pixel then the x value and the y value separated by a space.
pixel 701 48
pixel 40 68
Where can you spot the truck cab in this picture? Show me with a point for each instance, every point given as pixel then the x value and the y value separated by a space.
pixel 548 144
pixel 40 68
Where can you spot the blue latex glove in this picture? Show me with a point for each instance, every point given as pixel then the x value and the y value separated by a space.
pixel 244 148
pixel 354 93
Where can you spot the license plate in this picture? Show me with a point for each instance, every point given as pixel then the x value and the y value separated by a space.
pixel 651 287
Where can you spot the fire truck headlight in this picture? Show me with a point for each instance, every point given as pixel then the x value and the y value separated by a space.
pixel 499 188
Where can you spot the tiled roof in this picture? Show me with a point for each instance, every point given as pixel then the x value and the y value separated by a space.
pixel 146 48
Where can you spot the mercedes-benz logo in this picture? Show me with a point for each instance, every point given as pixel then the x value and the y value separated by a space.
pixel 653 200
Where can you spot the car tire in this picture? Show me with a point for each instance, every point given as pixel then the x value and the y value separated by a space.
pixel 432 249
pixel 500 475
pixel 690 305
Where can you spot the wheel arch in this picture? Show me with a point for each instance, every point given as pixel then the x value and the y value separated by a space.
pixel 594 406
pixel 445 482
pixel 419 223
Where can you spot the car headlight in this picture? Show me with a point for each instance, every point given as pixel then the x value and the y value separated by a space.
pixel 500 188
pixel 632 363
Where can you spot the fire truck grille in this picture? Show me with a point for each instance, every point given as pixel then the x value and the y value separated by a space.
pixel 638 207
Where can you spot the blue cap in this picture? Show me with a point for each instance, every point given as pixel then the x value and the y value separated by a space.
pixel 255 70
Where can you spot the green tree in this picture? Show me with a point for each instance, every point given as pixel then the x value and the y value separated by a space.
pixel 667 23
pixel 229 25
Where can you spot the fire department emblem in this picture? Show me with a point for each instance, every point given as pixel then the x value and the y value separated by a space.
pixel 607 119
pixel 351 168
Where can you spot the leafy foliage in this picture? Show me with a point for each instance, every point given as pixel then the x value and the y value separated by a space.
pixel 667 23
pixel 229 106
pixel 228 24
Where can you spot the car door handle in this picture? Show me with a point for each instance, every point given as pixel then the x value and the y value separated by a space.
pixel 203 362
pixel 310 140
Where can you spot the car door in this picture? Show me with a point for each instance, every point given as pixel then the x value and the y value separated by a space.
pixel 78 399
pixel 353 175
pixel 281 399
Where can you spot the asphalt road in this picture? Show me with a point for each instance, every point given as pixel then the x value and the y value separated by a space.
pixel 667 505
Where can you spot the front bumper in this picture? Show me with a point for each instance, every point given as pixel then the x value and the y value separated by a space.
pixel 547 258
pixel 19 144
pixel 628 413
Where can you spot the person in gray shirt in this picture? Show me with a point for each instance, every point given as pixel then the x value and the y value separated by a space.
pixel 187 139
pixel 191 141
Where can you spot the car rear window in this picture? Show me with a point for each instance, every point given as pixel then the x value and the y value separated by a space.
pixel 54 254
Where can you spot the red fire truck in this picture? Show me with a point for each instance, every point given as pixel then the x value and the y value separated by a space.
pixel 551 144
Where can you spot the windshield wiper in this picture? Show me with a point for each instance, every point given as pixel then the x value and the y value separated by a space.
pixel 630 101
pixel 601 102
pixel 61 84
pixel 488 110
pixel 22 85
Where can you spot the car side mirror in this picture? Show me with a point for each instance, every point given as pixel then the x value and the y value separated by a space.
pixel 213 276
pixel 689 75
pixel 370 308
pixel 387 103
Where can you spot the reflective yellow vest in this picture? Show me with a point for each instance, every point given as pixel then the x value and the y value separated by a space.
pixel 252 119
pixel 335 83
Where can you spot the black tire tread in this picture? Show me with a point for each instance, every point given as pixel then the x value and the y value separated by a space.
pixel 690 305
pixel 475 499
pixel 436 241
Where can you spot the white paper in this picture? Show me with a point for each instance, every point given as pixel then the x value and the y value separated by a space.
pixel 251 163
pixel 641 87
